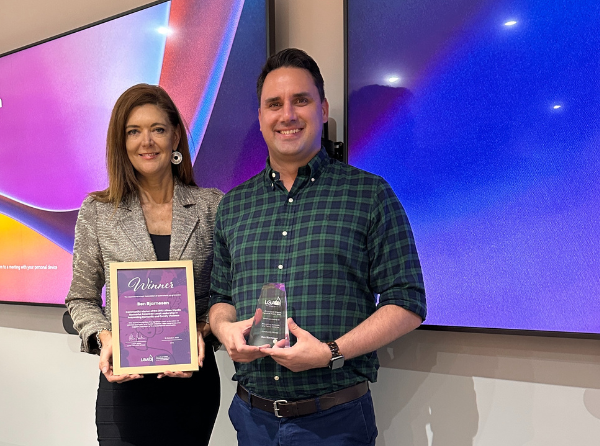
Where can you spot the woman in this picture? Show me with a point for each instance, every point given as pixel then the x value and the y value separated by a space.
pixel 152 210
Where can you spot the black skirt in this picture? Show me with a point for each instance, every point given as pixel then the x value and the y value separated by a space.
pixel 151 411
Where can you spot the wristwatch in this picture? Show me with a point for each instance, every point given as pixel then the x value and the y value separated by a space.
pixel 337 359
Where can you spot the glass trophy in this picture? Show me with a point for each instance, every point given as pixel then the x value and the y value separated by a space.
pixel 270 319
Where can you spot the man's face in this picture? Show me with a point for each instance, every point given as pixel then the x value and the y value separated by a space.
pixel 291 115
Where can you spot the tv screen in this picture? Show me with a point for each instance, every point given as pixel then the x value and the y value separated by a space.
pixel 55 103
pixel 484 116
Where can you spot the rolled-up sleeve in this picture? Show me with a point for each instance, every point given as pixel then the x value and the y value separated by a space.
pixel 395 270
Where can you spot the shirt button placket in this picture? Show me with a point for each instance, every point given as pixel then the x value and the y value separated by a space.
pixel 285 242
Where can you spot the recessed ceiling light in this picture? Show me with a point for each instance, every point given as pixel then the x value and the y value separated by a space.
pixel 510 23
pixel 165 30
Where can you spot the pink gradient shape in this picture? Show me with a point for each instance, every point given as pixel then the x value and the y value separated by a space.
pixel 56 103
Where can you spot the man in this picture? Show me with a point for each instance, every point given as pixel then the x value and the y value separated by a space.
pixel 336 236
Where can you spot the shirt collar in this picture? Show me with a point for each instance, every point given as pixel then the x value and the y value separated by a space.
pixel 313 169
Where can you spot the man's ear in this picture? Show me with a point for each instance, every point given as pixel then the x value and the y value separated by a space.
pixel 259 124
pixel 325 110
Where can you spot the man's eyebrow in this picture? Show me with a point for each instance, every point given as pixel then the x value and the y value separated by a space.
pixel 303 94
pixel 273 99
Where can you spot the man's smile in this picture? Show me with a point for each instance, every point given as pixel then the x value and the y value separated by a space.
pixel 289 132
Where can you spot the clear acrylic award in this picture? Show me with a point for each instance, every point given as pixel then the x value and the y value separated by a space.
pixel 270 318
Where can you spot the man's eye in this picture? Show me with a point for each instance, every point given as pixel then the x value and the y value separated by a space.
pixel 302 101
pixel 274 104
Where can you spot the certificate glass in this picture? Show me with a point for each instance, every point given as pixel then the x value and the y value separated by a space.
pixel 153 317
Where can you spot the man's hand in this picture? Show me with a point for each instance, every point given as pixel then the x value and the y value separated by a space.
pixel 233 338
pixel 105 364
pixel 232 334
pixel 308 352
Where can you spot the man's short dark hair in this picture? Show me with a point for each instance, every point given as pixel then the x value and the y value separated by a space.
pixel 291 58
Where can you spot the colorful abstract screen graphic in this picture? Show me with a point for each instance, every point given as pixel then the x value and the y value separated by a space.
pixel 56 99
pixel 484 116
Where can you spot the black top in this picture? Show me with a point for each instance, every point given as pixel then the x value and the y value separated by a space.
pixel 162 244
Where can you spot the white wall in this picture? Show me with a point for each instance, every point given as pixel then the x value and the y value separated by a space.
pixel 435 388
pixel 317 27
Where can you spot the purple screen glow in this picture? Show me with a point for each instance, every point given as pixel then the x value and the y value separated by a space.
pixel 484 116
pixel 56 99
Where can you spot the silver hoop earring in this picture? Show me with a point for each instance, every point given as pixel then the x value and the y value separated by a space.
pixel 176 157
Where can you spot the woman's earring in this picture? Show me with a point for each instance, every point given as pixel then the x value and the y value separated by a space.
pixel 176 157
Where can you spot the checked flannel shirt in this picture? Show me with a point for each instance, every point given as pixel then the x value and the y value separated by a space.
pixel 336 239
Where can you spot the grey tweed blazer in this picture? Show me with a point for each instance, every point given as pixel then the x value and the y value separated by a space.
pixel 104 235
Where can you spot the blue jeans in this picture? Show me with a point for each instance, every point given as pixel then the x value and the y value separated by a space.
pixel 349 424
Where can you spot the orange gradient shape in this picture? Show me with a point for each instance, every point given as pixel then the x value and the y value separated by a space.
pixel 32 268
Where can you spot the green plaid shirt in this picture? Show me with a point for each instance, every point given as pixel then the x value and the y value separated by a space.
pixel 337 239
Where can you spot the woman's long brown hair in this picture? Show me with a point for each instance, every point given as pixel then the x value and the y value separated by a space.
pixel 122 180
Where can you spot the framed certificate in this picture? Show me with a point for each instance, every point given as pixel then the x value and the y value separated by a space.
pixel 153 315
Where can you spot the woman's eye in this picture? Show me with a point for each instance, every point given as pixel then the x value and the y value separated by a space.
pixel 131 132
pixel 159 130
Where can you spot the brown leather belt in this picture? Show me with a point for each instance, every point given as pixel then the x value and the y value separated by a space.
pixel 283 408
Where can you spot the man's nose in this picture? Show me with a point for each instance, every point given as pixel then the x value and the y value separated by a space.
pixel 289 112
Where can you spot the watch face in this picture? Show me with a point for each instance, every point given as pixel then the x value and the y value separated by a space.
pixel 336 362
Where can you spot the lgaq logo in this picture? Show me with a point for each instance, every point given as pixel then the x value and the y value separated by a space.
pixel 273 303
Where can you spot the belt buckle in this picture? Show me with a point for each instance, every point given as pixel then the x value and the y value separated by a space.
pixel 276 409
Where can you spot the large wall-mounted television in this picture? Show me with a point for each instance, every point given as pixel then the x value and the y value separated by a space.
pixel 55 103
pixel 484 116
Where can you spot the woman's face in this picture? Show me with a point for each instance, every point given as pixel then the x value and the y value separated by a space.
pixel 150 139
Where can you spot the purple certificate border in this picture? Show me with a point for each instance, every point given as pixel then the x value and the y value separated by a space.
pixel 153 317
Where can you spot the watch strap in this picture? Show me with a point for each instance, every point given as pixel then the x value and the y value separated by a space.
pixel 337 359
pixel 335 350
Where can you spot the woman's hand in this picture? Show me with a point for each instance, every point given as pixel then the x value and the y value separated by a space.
pixel 105 364
pixel 203 331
